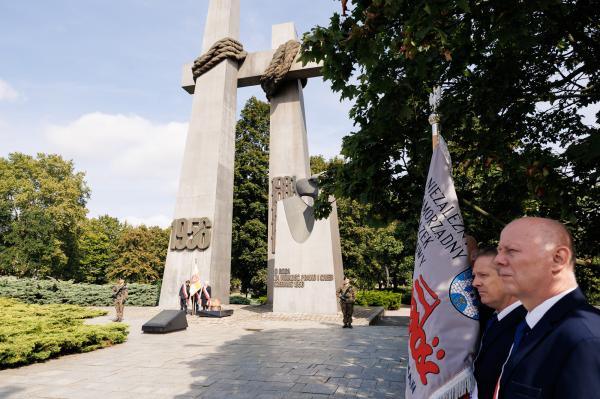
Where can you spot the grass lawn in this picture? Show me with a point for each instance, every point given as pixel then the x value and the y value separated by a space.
pixel 33 333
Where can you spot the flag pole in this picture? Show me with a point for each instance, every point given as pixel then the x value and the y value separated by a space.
pixel 434 118
pixel 444 327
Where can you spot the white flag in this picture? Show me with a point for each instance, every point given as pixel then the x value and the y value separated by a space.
pixel 195 283
pixel 444 327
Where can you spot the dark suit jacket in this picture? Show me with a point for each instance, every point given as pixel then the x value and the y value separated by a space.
pixel 184 294
pixel 560 356
pixel 495 345
pixel 203 297
pixel 485 313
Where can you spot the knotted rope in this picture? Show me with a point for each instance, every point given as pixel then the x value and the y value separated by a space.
pixel 222 49
pixel 282 61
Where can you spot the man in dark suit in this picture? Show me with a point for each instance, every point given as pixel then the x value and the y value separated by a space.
pixel 205 296
pixel 500 329
pixel 556 353
pixel 184 295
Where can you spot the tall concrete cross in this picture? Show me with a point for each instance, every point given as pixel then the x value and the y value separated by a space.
pixel 201 232
pixel 289 157
pixel 305 259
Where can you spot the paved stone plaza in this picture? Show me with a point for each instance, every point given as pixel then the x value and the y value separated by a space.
pixel 253 354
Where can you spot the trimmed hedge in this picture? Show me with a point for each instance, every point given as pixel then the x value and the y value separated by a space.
pixel 66 292
pixel 262 300
pixel 389 300
pixel 33 333
pixel 239 300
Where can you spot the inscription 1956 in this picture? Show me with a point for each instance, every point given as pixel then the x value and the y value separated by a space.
pixel 191 233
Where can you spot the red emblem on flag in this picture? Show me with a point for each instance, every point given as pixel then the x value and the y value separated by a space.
pixel 420 349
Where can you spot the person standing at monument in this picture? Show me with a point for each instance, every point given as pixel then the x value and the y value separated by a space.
pixel 184 295
pixel 205 295
pixel 120 295
pixel 195 306
pixel 347 296
pixel 500 329
pixel 556 350
pixel 195 287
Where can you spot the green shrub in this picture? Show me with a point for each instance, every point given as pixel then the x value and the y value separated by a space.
pixel 406 293
pixel 389 300
pixel 258 283
pixel 32 333
pixel 588 278
pixel 235 284
pixel 262 300
pixel 66 292
pixel 239 300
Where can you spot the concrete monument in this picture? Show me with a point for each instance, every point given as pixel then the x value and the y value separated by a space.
pixel 305 261
pixel 201 232
pixel 304 254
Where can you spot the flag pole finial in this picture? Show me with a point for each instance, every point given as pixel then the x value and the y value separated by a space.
pixel 434 117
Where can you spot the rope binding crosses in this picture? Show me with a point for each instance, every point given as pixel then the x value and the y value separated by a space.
pixel 220 50
pixel 282 61
pixel 273 76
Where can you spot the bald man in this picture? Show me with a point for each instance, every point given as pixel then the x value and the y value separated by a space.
pixel 557 355
pixel 499 332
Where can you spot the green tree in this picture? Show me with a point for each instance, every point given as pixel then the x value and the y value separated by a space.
pixel 516 76
pixel 97 248
pixel 42 206
pixel 258 282
pixel 373 251
pixel 141 254
pixel 250 195
pixel 158 245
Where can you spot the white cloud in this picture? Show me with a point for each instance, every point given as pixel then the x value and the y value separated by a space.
pixel 7 93
pixel 132 165
pixel 155 220
pixel 127 145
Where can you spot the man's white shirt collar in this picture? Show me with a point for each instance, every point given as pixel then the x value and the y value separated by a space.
pixel 536 314
pixel 500 315
pixel 504 312
pixel 532 319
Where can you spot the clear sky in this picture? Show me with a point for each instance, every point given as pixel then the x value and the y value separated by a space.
pixel 98 82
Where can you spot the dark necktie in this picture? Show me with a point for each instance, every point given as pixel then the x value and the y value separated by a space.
pixel 489 326
pixel 522 329
pixel 491 323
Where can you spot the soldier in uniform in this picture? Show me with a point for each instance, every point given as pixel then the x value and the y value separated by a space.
pixel 347 296
pixel 120 295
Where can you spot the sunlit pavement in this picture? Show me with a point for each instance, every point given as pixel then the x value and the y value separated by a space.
pixel 252 354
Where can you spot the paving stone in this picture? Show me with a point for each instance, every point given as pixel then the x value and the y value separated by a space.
pixel 271 395
pixel 368 384
pixel 346 382
pixel 330 373
pixel 274 386
pixel 300 395
pixel 304 371
pixel 281 378
pixel 247 355
pixel 311 379
pixel 324 389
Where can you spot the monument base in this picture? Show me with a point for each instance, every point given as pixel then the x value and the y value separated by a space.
pixel 215 313
pixel 165 322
